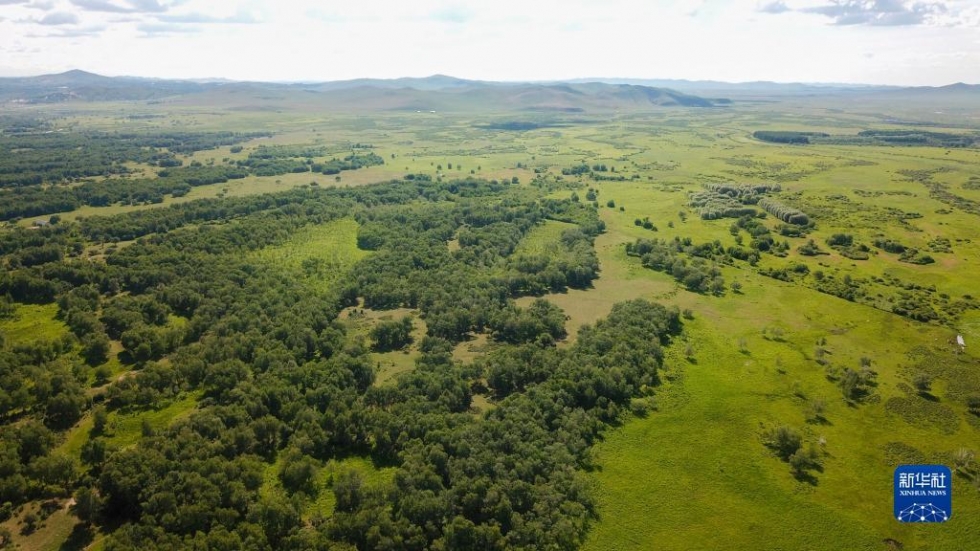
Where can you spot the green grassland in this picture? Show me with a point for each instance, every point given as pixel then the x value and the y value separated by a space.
pixel 318 255
pixel 696 469
pixel 693 473
pixel 543 240
pixel 30 322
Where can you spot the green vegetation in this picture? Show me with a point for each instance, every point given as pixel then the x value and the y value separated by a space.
pixel 217 349
pixel 900 137
pixel 318 254
pixel 787 137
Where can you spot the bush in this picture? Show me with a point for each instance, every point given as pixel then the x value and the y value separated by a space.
pixel 803 461
pixel 973 404
pixel 784 441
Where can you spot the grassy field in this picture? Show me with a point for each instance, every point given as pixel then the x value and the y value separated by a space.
pixel 696 472
pixel 319 255
pixel 53 533
pixel 543 240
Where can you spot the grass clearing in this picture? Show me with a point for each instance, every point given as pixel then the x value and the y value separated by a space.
pixel 543 240
pixel 374 477
pixel 124 429
pixel 53 532
pixel 32 322
pixel 390 364
pixel 319 255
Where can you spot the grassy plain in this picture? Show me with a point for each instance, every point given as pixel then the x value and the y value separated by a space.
pixel 694 473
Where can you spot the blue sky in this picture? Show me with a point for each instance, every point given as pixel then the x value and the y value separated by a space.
pixel 915 42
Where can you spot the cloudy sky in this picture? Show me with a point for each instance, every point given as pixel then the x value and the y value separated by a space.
pixel 910 42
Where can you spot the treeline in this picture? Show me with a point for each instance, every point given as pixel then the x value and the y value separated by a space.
pixel 871 137
pixel 745 193
pixel 845 245
pixel 350 162
pixel 712 206
pixel 787 137
pixel 595 171
pixel 58 157
pixel 278 160
pixel 906 254
pixel 177 182
pixel 920 137
pixel 38 201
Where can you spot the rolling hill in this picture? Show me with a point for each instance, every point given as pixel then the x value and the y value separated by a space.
pixel 435 93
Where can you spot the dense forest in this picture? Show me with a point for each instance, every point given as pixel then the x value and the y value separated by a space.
pixel 281 385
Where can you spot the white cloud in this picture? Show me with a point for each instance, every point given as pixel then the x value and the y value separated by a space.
pixel 59 18
pixel 124 6
pixel 505 39
pixel 882 13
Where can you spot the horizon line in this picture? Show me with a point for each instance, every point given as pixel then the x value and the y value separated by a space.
pixel 577 80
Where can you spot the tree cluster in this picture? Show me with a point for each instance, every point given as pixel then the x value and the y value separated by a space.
pixel 281 383
pixel 672 257
pixel 783 212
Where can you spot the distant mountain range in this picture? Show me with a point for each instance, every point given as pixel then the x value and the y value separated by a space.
pixel 434 93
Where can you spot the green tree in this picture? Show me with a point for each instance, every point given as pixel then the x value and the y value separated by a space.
pixel 95 348
pixel 803 461
pixel 392 335
pixel 784 440
pixel 88 505
pixel 298 473
pixel 348 491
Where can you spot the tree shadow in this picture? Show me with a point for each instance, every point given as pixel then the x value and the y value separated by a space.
pixel 926 395
pixel 819 420
pixel 806 477
pixel 81 537
pixel 126 358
